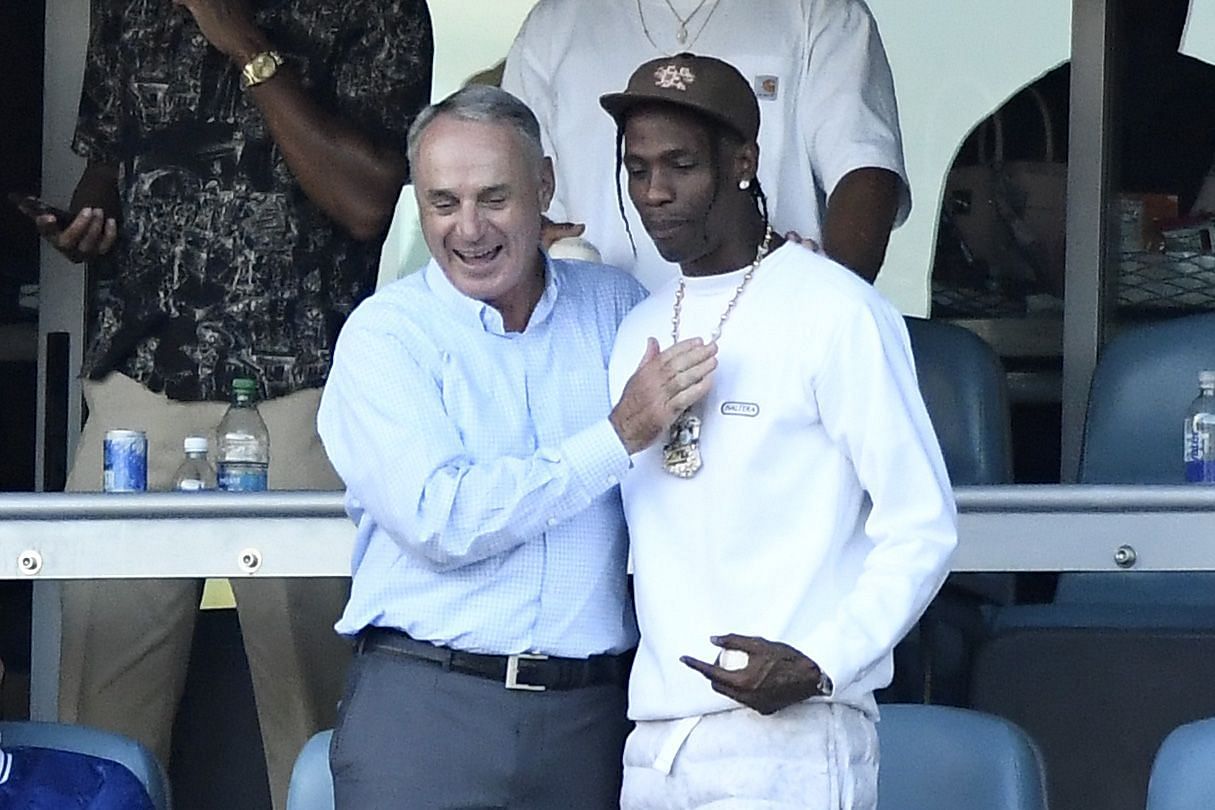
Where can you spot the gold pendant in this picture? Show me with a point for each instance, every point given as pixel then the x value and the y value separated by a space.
pixel 681 453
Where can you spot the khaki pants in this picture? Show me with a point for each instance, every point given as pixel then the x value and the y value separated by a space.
pixel 126 643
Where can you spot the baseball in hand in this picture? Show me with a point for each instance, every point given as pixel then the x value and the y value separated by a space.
pixel 574 247
pixel 733 659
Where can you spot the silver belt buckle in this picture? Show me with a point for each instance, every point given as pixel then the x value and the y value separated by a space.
pixel 512 672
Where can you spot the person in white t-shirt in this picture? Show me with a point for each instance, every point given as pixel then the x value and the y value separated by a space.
pixel 799 518
pixel 833 166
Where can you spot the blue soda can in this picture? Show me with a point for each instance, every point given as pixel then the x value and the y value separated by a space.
pixel 126 461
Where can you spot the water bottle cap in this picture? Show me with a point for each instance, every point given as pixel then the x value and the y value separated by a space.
pixel 196 444
pixel 1206 378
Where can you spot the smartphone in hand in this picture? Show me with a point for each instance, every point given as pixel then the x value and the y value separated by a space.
pixel 32 207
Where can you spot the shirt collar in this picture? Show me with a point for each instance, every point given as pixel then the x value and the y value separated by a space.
pixel 481 313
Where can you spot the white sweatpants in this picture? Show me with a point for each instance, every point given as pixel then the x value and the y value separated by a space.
pixel 822 756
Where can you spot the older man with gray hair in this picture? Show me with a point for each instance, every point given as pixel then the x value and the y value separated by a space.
pixel 468 414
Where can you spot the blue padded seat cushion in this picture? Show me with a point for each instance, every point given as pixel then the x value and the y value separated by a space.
pixel 1182 776
pixel 943 758
pixel 48 779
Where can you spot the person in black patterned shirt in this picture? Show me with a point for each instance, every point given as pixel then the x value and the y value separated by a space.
pixel 244 157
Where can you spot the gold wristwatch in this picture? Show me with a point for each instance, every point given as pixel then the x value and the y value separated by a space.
pixel 261 67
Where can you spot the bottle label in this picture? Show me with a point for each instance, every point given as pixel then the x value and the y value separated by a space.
pixel 1199 450
pixel 242 480
pixel 1200 472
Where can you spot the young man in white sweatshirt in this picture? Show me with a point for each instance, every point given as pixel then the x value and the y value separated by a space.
pixel 798 519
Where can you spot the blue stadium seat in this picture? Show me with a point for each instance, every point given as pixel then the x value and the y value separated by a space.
pixel 311 785
pixel 963 385
pixel 944 758
pixel 1060 670
pixel 1183 774
pixel 1098 701
pixel 96 743
pixel 1144 381
pixel 932 758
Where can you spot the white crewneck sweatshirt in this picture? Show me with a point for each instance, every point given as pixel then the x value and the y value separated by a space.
pixel 823 516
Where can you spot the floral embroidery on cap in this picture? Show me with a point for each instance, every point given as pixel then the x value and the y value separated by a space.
pixel 676 76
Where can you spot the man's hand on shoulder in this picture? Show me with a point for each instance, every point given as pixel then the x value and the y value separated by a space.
pixel 774 675
pixel 551 232
pixel 228 26
pixel 664 385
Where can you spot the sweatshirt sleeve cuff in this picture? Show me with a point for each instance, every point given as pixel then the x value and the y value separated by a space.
pixel 826 650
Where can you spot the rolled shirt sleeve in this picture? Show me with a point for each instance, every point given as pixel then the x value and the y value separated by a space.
pixel 848 107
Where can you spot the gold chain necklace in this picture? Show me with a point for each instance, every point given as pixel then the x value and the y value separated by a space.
pixel 682 33
pixel 681 453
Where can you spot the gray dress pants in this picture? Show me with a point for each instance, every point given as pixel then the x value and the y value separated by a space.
pixel 412 734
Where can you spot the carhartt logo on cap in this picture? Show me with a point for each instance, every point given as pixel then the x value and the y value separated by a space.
pixel 677 76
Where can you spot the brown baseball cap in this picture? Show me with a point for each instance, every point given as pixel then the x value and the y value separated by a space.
pixel 701 83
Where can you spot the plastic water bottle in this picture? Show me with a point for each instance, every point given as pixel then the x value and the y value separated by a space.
pixel 243 446
pixel 1200 433
pixel 195 472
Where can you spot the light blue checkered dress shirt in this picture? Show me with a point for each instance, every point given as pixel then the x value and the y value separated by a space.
pixel 480 467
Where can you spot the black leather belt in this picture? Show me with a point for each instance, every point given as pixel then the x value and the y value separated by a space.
pixel 526 672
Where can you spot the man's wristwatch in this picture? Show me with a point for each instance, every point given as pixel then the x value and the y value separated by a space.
pixel 261 67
